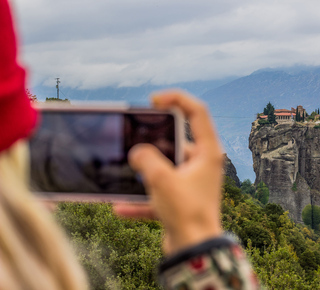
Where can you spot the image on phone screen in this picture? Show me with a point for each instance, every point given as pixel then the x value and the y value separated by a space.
pixel 87 152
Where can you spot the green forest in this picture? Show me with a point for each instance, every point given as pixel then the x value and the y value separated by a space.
pixel 123 253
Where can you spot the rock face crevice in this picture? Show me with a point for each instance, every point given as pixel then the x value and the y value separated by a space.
pixel 286 158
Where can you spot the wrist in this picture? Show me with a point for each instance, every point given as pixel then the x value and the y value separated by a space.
pixel 210 245
pixel 190 234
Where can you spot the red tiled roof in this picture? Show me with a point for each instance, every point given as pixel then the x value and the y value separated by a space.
pixel 279 110
pixel 285 114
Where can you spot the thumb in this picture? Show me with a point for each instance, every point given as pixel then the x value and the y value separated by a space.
pixel 151 164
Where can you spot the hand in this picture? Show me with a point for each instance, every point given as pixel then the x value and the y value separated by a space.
pixel 186 198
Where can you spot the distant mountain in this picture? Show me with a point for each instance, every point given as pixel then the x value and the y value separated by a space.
pixel 282 89
pixel 234 102
pixel 133 95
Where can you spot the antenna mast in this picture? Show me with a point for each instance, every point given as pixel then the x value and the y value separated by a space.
pixel 57 87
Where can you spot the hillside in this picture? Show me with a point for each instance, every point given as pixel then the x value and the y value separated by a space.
pixel 123 254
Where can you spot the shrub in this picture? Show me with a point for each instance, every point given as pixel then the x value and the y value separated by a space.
pixel 57 100
pixel 263 122
pixel 294 186
pixel 116 253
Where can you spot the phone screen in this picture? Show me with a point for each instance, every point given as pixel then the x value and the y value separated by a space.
pixel 85 152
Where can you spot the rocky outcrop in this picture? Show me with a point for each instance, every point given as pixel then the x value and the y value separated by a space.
pixel 230 171
pixel 286 158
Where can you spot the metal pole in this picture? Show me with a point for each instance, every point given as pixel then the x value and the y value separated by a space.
pixel 57 86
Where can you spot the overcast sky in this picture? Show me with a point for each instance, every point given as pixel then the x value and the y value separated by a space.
pixel 95 43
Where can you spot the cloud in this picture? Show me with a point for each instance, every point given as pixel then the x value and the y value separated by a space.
pixel 91 44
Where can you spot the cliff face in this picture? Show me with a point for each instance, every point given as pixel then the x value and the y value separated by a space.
pixel 230 171
pixel 287 159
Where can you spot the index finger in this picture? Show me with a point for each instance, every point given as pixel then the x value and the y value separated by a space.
pixel 200 122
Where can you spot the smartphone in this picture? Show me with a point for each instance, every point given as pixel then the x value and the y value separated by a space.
pixel 80 152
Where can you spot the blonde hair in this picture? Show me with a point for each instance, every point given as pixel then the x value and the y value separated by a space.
pixel 34 253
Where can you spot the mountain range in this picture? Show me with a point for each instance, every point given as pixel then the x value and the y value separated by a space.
pixel 233 102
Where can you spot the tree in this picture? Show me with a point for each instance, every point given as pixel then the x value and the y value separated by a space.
pixel 232 190
pixel 312 115
pixel 116 253
pixel 262 193
pixel 309 260
pixel 298 116
pixel 278 268
pixel 311 216
pixel 272 118
pixel 247 187
pixel 269 110
pixel 32 98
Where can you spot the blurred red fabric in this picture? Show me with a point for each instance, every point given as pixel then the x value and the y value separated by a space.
pixel 17 117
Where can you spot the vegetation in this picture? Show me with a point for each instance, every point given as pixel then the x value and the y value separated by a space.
pixel 32 97
pixel 312 116
pixel 311 216
pixel 305 116
pixel 122 254
pixel 294 186
pixel 298 116
pixel 284 255
pixel 262 193
pixel 248 188
pixel 269 111
pixel 263 122
pixel 259 114
pixel 57 100
pixel 116 253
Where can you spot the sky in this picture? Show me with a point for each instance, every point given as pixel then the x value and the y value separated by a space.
pixel 91 44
